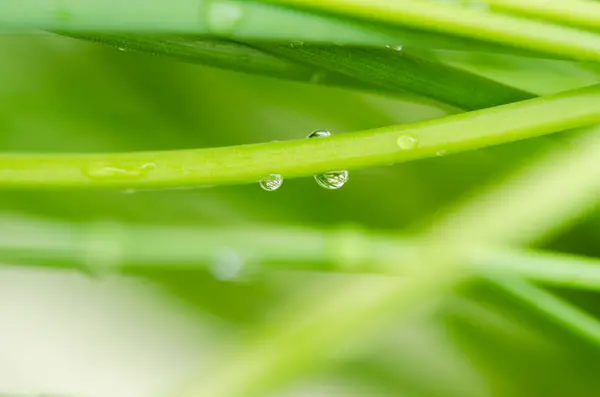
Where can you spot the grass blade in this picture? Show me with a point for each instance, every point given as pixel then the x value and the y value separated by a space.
pixel 300 158
pixel 398 70
pixel 543 37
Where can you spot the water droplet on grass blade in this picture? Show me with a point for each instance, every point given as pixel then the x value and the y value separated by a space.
pixel 331 180
pixel 271 182
pixel 118 171
pixel 319 134
pixel 441 153
pixel 407 142
pixel 224 16
pixel 227 264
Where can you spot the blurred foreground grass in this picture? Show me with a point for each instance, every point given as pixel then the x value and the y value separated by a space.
pixel 485 337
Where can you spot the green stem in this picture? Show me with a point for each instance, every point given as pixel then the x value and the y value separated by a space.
pixel 543 37
pixel 301 158
pixel 130 248
pixel 580 13
pixel 559 311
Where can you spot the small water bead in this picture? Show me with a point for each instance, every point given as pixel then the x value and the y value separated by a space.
pixel 227 264
pixel 118 171
pixel 121 49
pixel 271 183
pixel 319 134
pixel 223 16
pixel 395 47
pixel 407 142
pixel 441 153
pixel 331 180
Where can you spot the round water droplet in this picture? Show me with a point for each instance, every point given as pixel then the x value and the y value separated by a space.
pixel 332 180
pixel 271 183
pixel 319 134
pixel 227 264
pixel 407 142
pixel 441 153
pixel 224 16
pixel 118 171
pixel 121 49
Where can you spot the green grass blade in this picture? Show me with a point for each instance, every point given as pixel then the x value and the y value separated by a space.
pixel 50 244
pixel 398 70
pixel 580 13
pixel 243 58
pixel 572 318
pixel 301 158
pixel 538 36
pixel 234 19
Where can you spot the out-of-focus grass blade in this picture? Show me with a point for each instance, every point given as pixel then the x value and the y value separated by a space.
pixel 236 19
pixel 533 35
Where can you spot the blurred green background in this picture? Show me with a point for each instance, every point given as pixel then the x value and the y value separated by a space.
pixel 63 95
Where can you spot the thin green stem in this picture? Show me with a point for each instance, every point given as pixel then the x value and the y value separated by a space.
pixel 559 311
pixel 544 37
pixel 580 13
pixel 301 158
pixel 131 248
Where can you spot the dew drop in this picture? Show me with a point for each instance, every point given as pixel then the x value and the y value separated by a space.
pixel 319 134
pixel 271 183
pixel 227 264
pixel 296 44
pixel 118 171
pixel 395 47
pixel 331 180
pixel 441 153
pixel 224 16
pixel 407 142
pixel 121 49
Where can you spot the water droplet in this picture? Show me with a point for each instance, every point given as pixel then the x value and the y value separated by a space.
pixel 271 183
pixel 395 47
pixel 296 43
pixel 407 142
pixel 224 16
pixel 319 134
pixel 331 180
pixel 227 264
pixel 118 171
pixel 441 153
pixel 121 49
